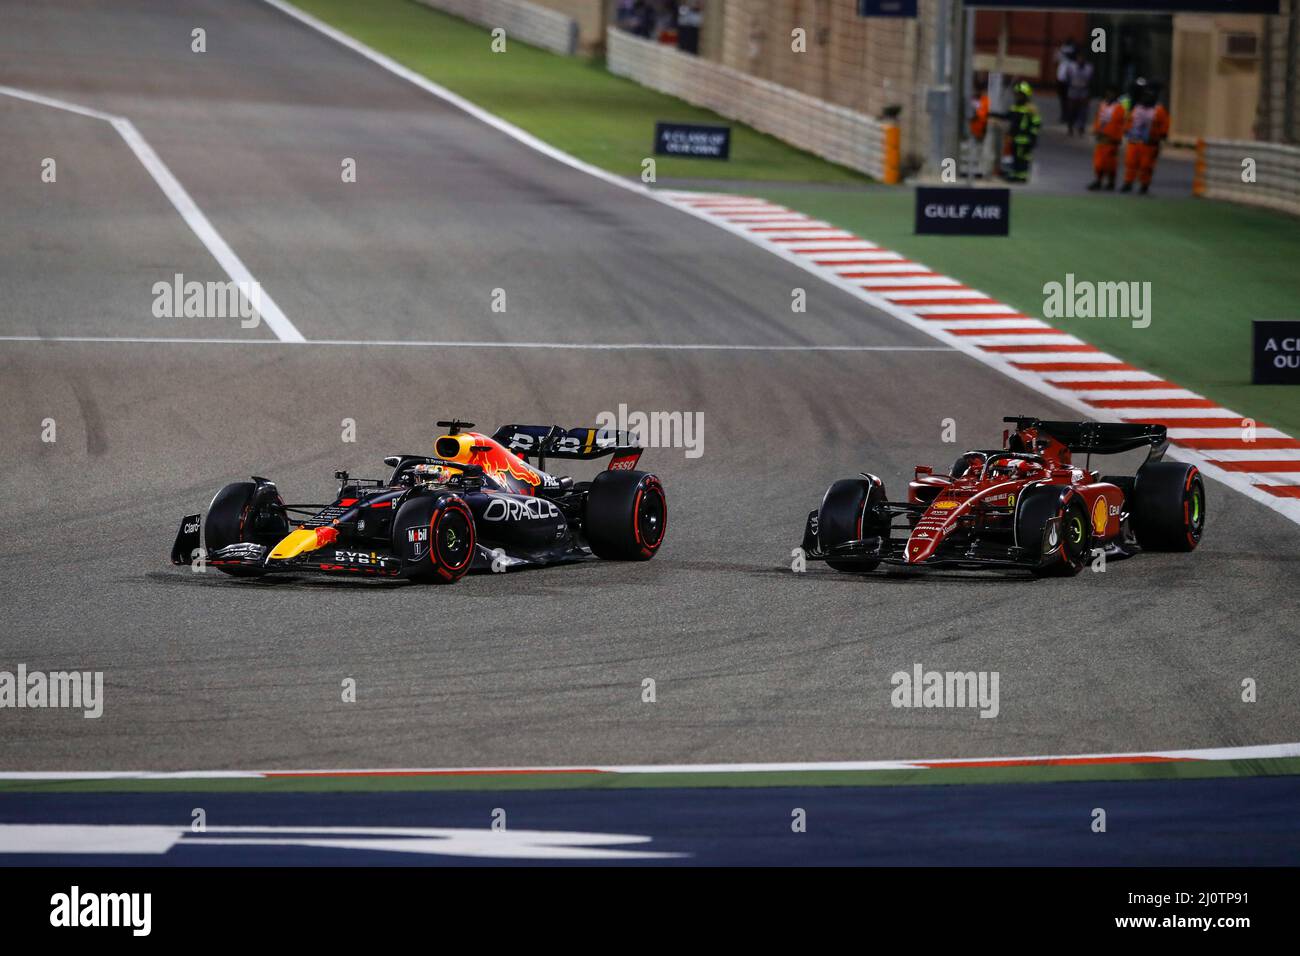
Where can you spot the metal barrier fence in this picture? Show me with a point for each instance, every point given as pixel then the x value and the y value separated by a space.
pixel 529 22
pixel 833 132
pixel 1222 172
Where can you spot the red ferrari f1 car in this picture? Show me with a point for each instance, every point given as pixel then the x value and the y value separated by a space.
pixel 1026 505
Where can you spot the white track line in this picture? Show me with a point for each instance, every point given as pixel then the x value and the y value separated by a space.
pixel 714 207
pixel 432 344
pixel 1257 752
pixel 234 267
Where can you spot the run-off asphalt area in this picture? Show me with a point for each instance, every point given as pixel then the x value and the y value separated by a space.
pixel 752 662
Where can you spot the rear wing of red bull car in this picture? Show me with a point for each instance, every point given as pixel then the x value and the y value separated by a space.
pixel 540 442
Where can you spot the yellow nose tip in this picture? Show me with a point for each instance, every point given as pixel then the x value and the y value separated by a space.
pixel 295 543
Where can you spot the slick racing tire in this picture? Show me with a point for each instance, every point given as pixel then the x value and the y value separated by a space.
pixel 245 512
pixel 434 537
pixel 1043 504
pixel 1168 506
pixel 843 517
pixel 627 515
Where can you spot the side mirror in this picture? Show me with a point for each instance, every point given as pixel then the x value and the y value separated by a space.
pixel 924 470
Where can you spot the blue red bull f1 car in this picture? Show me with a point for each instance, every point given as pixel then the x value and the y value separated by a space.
pixel 476 504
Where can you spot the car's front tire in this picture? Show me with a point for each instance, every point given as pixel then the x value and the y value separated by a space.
pixel 244 512
pixel 846 515
pixel 434 537
pixel 1068 553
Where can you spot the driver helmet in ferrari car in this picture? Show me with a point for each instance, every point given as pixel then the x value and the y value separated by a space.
pixel 1017 468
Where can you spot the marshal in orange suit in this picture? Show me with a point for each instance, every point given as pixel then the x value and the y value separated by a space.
pixel 1147 127
pixel 1108 131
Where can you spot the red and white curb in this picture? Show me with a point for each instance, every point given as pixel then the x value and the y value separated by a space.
pixel 1259 752
pixel 1264 465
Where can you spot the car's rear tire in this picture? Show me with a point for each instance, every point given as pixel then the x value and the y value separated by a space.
pixel 626 515
pixel 845 515
pixel 434 537
pixel 1168 508
pixel 1046 503
pixel 244 512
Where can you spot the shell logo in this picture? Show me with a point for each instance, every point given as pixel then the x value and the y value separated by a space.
pixel 944 505
pixel 1099 515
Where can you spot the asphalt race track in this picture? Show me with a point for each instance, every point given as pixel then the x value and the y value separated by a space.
pixel 752 662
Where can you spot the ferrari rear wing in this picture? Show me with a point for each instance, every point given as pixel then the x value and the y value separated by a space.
pixel 578 444
pixel 1099 438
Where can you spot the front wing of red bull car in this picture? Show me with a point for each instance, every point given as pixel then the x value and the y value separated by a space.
pixel 1027 505
pixel 478 503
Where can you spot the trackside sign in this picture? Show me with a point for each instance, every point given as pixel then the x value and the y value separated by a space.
pixel 1276 353
pixel 693 140
pixel 887 8
pixel 962 211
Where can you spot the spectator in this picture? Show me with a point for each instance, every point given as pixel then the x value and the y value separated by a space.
pixel 665 30
pixel 1064 57
pixel 624 16
pixel 690 15
pixel 1078 93
pixel 643 18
